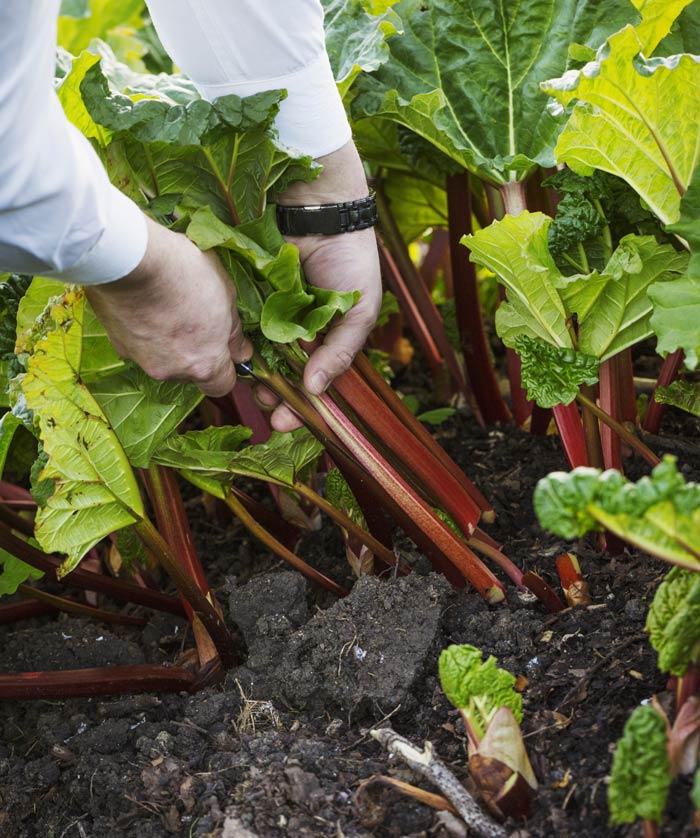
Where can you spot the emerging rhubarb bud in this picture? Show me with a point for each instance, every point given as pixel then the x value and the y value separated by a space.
pixel 574 585
pixel 492 710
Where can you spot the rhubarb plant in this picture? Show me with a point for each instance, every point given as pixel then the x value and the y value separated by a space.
pixel 491 710
pixel 659 514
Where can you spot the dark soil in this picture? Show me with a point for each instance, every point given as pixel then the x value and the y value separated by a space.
pixel 279 748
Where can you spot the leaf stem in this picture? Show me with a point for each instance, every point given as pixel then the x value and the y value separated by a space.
pixel 633 441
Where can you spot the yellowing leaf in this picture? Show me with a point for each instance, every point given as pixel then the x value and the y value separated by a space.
pixel 635 118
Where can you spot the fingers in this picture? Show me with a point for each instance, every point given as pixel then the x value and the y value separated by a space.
pixel 284 421
pixel 215 379
pixel 240 348
pixel 339 348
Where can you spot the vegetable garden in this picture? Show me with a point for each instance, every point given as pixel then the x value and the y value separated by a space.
pixel 210 628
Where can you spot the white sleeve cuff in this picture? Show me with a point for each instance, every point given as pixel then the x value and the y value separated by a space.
pixel 119 249
pixel 312 118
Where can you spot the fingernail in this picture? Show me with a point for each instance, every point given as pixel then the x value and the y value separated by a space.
pixel 319 382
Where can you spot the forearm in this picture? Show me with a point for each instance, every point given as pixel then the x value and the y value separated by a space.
pixel 59 215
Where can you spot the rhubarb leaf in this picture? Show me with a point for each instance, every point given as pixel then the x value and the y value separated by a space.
pixel 640 776
pixel 416 205
pixel 673 621
pixel 613 308
pixel 516 250
pixel 551 375
pixel 676 318
pixel 465 76
pixel 355 38
pixel 635 118
pixel 143 412
pixel 75 30
pixel 95 491
pixel 223 154
pixel 215 453
pixel 17 446
pixel 339 493
pixel 657 18
pixel 477 687
pixel 688 224
pixel 684 35
pixel 682 394
pixel 15 573
pixel 659 514
pixel 12 290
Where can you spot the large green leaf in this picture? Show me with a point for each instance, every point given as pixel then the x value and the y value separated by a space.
pixel 222 154
pixel 641 771
pixel 465 75
pixel 355 38
pixel 416 204
pixel 95 489
pixel 552 375
pixel 634 117
pixel 613 307
pixel 659 514
pixel 143 412
pixel 516 250
pixel 685 33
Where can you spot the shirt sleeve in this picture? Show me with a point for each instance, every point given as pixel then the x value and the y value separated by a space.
pixel 248 46
pixel 59 214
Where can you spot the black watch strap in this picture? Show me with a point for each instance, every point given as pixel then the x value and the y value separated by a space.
pixel 328 219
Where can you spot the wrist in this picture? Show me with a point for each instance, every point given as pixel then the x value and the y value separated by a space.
pixel 342 179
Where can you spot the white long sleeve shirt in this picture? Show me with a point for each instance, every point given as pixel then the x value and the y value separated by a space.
pixel 59 214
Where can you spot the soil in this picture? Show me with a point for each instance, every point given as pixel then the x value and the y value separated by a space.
pixel 279 747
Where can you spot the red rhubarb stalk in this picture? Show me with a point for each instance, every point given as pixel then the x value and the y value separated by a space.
pixel 634 443
pixel 443 488
pixel 415 508
pixel 71 606
pixel 420 294
pixel 438 253
pixel 571 434
pixel 610 382
pixel 119 589
pixel 473 339
pixel 668 374
pixel 107 680
pixel 25 610
pixel 414 318
pixel 418 429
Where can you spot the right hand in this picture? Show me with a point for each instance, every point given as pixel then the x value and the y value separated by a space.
pixel 175 314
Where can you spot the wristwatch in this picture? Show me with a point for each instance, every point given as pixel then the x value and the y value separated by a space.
pixel 328 219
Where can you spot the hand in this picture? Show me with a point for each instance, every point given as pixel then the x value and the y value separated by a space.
pixel 175 314
pixel 346 262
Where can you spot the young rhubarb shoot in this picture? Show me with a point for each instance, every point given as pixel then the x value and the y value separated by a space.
pixel 492 710
pixel 673 622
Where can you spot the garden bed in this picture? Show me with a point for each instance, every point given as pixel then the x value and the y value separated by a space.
pixel 280 747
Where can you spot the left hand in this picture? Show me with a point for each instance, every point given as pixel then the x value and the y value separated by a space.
pixel 346 262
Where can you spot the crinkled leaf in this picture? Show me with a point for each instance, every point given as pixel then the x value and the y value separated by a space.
pixel 95 490
pixel 131 550
pixel 15 573
pixel 676 317
pixel 215 453
pixel 355 38
pixel 659 514
pixel 516 250
pixel 32 308
pixel 478 688
pixel 222 154
pixel 641 775
pixel 613 308
pixel 577 220
pixel 552 375
pixel 465 76
pixel 635 118
pixel 673 621
pixel 143 412
pixel 682 394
